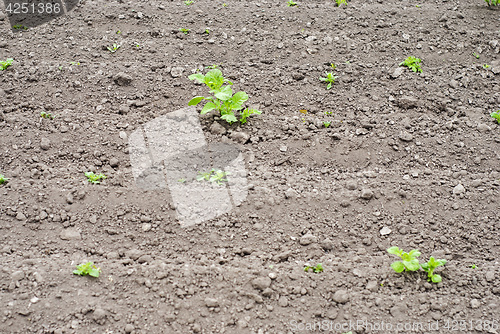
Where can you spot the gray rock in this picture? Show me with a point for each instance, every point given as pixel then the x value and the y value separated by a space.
pixel 113 162
pixel 408 102
pixel 129 328
pixel 45 144
pixel 99 314
pixel 17 275
pixel 211 302
pixel 483 127
pixel 20 216
pixel 459 189
pixel 341 296
pixel 490 276
pixel 385 231
pixel 290 193
pixel 351 185
pixel 176 72
pixel 308 239
pixel 366 194
pixel 405 136
pixel 397 72
pixel 217 129
pixel 261 283
pixel 372 286
pixel 70 234
pixel 133 254
pixel 122 79
pixel 327 244
pixel 474 303
pixel 283 301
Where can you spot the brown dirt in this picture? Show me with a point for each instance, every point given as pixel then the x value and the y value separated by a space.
pixel 399 146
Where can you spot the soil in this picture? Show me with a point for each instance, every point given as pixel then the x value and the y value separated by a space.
pixel 409 160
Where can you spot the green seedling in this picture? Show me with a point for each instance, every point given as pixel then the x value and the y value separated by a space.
pixel 88 268
pixel 189 2
pixel 317 268
pixel 412 63
pixel 429 268
pixel 476 55
pixel 211 67
pixel 492 2
pixel 496 115
pixel 46 115
pixel 473 266
pixel 339 2
pixel 224 5
pixel 214 175
pixel 328 113
pixel 409 263
pixel 118 32
pixel 223 100
pixel 291 3
pixel 181 180
pixel 330 78
pixel 326 124
pixel 485 66
pixel 6 63
pixel 332 65
pixel 75 63
pixel 20 27
pixel 3 179
pixel 207 31
pixel 114 48
pixel 418 6
pixel 184 30
pixel 94 178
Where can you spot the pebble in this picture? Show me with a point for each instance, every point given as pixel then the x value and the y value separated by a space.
pixel 99 314
pixel 17 275
pixel 177 71
pixel 405 136
pixel 290 193
pixel 133 254
pixel 113 162
pixel 283 301
pixel 483 127
pixel 385 231
pixel 397 72
pixel 123 135
pixel 351 185
pixel 327 244
pixel 211 302
pixel 366 194
pixel 240 137
pixel 20 216
pixel 372 286
pixel 459 189
pixel 341 296
pixel 261 283
pixel 490 276
pixel 122 79
pixel 474 303
pixel 129 328
pixel 70 234
pixel 45 144
pixel 146 227
pixel 217 129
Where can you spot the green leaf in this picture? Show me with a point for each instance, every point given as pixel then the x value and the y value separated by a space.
pixel 394 250
pixel 208 107
pixel 414 253
pixel 425 267
pixel 195 100
pixel 230 118
pixel 329 86
pixel 398 266
pixel 436 278
pixel 198 77
pixel 412 265
pixel 224 94
pixel 214 79
pixel 238 100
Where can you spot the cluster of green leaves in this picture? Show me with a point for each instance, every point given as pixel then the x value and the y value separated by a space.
pixel 412 63
pixel 20 27
pixel 88 268
pixel 326 124
pixel 492 2
pixel 429 268
pixel 410 263
pixel 3 179
pixel 291 3
pixel 330 78
pixel 496 115
pixel 476 55
pixel 339 2
pixel 317 268
pixel 214 175
pixel 188 2
pixel 113 48
pixel 184 30
pixel 5 63
pixel 46 115
pixel 94 178
pixel 223 100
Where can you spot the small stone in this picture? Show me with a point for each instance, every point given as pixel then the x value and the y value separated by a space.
pixel 122 79
pixel 283 301
pixel 290 193
pixel 385 231
pixel 211 302
pixel 283 148
pixel 459 189
pixel 123 135
pixel 261 283
pixel 38 277
pixel 176 72
pixel 341 296
pixel 351 185
pixel 474 303
pixel 44 144
pixel 70 234
pixel 17 275
pixel 133 254
pixel 146 227
pixel 217 129
pixel 405 136
pixel 99 314
pixel 397 72
pixel 308 239
pixel 490 276
pixel 366 194
pixel 20 216
pixel 34 300
pixel 327 244
pixel 408 102
pixel 113 162
pixel 129 328
pixel 483 127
